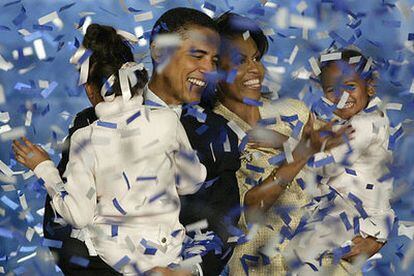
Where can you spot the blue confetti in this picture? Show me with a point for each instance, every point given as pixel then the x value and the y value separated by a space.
pixel 133 117
pixel 10 203
pixel 345 220
pixel 83 262
pixel 277 159
pixel 350 171
pixel 252 102
pixel 107 124
pixel 118 207
pixel 126 180
pixel 52 243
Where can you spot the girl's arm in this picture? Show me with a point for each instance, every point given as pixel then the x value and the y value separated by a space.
pixel 74 200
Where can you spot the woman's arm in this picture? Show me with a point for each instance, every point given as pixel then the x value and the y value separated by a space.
pixel 74 200
pixel 264 195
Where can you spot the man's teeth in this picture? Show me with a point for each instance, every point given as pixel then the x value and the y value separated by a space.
pixel 348 105
pixel 197 82
pixel 253 82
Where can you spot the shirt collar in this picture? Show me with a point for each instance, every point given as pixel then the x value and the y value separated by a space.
pixel 152 99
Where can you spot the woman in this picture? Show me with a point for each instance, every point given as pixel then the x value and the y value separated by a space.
pixel 263 184
pixel 126 170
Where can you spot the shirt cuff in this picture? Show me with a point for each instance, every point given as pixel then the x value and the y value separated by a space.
pixel 49 174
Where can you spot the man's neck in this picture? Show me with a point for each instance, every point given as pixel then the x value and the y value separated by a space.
pixel 248 113
pixel 160 88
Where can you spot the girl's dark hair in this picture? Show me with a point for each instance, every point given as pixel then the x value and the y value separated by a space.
pixel 231 25
pixel 346 55
pixel 109 52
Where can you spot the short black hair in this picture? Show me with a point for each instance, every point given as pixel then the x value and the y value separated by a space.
pixel 346 56
pixel 178 19
pixel 231 25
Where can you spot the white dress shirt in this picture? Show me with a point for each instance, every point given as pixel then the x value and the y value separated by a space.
pixel 124 175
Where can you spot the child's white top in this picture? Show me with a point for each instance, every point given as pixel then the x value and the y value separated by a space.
pixel 365 157
pixel 123 178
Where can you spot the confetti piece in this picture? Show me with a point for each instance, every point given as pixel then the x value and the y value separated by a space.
pixel 143 16
pixel 199 225
pixel 293 54
pixel 252 102
pixel 315 67
pixel 126 180
pixel 66 7
pixel 393 106
pixel 350 171
pixel 2 95
pixel 114 230
pixel 48 18
pixel 345 221
pixel 331 56
pixel 118 207
pixel 39 49
pixel 15 133
pixel 133 117
pixel 4 117
pixel 122 262
pixel 52 243
pixel 106 124
pixel 46 92
pixel 5 65
pixel 342 100
pixel 277 159
pixel 83 262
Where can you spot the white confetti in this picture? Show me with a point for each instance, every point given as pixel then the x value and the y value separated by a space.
pixel 293 54
pixel 331 56
pixel 155 2
pixel 5 169
pixel 343 100
pixel 2 95
pixel 39 49
pixel 202 224
pixel 28 120
pixel 144 16
pixel 302 22
pixel 4 129
pixel 5 65
pixel 25 258
pixel 48 18
pixel 43 84
pixel 270 59
pixel 353 60
pixel 411 88
pixel 27 51
pixel 13 134
pixel 368 65
pixel 282 16
pixel 246 35
pixel 4 117
pixel 302 6
pixel 29 233
pixel 393 106
pixel 27 175
pixel 314 65
pixel 236 129
pixel 23 201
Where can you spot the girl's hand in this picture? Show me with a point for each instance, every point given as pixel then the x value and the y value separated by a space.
pixel 325 138
pixel 28 154
pixel 367 246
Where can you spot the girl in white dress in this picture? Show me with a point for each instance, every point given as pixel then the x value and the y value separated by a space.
pixel 126 170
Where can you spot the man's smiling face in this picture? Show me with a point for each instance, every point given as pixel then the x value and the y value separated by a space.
pixel 185 72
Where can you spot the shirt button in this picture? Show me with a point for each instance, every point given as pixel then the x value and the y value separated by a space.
pixel 163 240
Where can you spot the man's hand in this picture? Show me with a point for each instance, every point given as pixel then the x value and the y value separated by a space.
pixel 28 154
pixel 164 271
pixel 368 246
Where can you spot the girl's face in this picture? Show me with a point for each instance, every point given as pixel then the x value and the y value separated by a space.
pixel 339 78
pixel 241 61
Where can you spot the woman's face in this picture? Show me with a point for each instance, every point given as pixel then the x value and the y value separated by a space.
pixel 244 71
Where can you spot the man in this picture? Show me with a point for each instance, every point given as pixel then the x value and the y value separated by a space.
pixel 179 76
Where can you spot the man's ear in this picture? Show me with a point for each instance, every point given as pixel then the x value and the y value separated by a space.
pixel 371 87
pixel 155 53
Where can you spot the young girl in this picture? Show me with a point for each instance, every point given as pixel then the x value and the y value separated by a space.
pixel 354 198
pixel 125 170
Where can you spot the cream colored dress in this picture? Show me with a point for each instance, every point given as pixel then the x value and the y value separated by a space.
pixel 287 210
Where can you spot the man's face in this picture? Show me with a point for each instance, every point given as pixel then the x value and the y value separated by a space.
pixel 197 55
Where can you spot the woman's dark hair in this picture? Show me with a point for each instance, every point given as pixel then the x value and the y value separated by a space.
pixel 109 52
pixel 232 25
pixel 346 56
